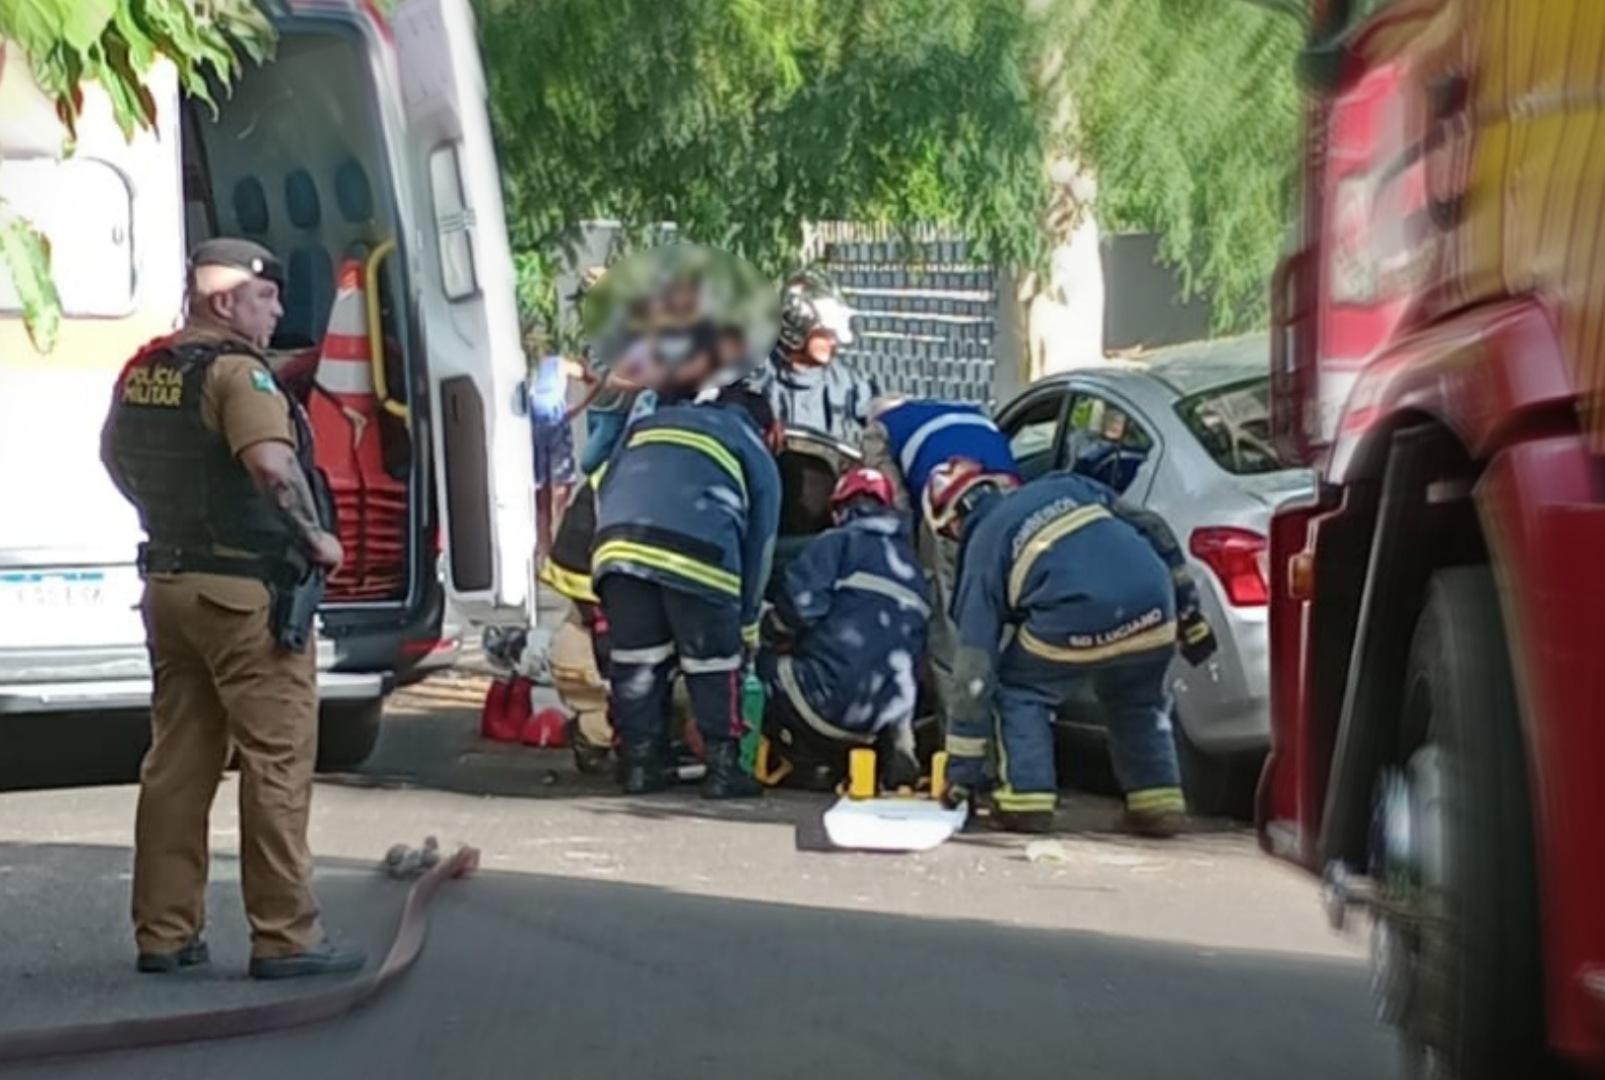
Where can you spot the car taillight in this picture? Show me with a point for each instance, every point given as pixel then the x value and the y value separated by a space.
pixel 1238 558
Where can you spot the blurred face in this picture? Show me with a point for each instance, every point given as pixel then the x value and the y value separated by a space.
pixel 820 347
pixel 732 348
pixel 251 310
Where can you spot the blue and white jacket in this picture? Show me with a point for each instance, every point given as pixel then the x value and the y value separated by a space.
pixel 921 435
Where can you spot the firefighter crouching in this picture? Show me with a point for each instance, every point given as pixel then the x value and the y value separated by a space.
pixel 847 635
pixel 686 515
pixel 1058 583
pixel 217 459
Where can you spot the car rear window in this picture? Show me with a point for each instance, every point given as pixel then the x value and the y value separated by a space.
pixel 1233 423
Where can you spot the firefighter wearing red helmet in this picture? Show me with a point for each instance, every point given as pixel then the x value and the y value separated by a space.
pixel 845 639
pixel 1061 586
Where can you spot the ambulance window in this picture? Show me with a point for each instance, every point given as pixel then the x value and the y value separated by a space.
pixel 454 224
pixel 85 209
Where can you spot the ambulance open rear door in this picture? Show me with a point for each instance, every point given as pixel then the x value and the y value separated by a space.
pixel 468 316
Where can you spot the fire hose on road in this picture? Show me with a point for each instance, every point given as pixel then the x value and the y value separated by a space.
pixel 132 1034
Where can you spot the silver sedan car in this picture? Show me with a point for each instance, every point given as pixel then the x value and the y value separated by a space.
pixel 1185 433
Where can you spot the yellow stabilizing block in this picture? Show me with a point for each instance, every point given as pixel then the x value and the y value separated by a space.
pixel 861 773
pixel 938 774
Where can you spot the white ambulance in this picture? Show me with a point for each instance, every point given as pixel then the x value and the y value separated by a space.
pixel 362 155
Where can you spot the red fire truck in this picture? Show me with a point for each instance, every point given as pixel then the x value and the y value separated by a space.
pixel 1438 611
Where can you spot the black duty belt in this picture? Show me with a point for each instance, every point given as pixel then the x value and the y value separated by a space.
pixel 166 560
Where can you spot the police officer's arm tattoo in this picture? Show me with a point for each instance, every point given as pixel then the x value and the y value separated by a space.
pixel 278 475
pixel 292 496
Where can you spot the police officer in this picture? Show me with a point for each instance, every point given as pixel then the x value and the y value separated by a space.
pixel 848 633
pixel 202 439
pixel 807 383
pixel 1060 583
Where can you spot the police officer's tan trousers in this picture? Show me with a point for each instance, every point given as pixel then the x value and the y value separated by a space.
pixel 221 682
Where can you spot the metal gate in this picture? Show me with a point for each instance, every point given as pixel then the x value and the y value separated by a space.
pixel 926 317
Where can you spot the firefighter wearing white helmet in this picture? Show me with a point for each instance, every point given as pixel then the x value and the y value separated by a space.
pixel 808 384
pixel 1061 585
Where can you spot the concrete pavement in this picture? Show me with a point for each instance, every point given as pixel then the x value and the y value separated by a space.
pixel 666 937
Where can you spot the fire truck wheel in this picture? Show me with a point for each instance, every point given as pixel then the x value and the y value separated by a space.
pixel 347 733
pixel 1457 962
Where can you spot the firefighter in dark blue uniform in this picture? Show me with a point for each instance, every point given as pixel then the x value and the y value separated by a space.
pixel 848 633
pixel 1060 582
pixel 686 516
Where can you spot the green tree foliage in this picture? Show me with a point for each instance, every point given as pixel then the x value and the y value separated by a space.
pixel 741 119
pixel 1189 113
pixel 115 43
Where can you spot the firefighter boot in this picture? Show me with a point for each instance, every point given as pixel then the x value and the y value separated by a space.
pixel 1034 822
pixel 644 767
pixel 1158 813
pixel 589 757
pixel 726 778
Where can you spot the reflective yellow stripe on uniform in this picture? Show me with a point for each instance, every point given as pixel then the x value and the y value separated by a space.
pixel 1009 799
pixel 575 586
pixel 799 703
pixel 966 745
pixel 1157 800
pixel 1154 638
pixel 663 559
pixel 1049 535
pixel 750 634
pixel 695 440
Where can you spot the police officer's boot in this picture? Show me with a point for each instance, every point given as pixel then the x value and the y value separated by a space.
pixel 726 778
pixel 644 767
pixel 192 953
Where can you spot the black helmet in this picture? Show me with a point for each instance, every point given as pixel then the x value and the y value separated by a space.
pixel 810 301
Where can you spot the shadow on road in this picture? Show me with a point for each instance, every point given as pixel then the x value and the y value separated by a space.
pixel 444 752
pixel 534 975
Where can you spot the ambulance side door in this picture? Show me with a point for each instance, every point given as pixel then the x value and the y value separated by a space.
pixel 469 319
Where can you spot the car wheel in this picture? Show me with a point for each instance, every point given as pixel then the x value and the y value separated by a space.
pixel 347 733
pixel 1455 960
pixel 1217 785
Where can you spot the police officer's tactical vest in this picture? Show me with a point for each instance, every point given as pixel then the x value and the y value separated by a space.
pixel 192 494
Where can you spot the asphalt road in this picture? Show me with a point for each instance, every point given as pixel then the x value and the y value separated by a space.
pixel 663 937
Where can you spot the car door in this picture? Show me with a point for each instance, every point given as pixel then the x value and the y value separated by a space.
pixel 467 314
pixel 1100 420
pixel 1034 429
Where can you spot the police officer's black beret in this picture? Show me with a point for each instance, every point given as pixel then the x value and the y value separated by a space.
pixel 238 254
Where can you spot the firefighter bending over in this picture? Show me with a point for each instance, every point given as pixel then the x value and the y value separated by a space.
pixel 686 515
pixel 1060 582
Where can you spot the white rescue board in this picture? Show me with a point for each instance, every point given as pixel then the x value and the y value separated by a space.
pixel 891 824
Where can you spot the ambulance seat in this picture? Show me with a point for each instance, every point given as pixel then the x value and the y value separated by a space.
pixel 352 192
pixel 250 206
pixel 301 199
pixel 309 272
pixel 308 295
